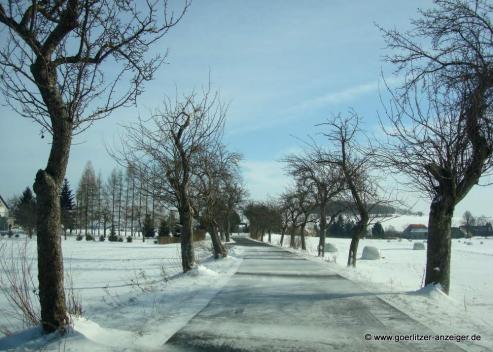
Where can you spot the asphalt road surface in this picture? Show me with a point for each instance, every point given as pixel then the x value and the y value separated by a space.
pixel 278 301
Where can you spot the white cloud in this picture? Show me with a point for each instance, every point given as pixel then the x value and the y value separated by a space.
pixel 337 97
pixel 299 110
pixel 264 178
pixel 346 95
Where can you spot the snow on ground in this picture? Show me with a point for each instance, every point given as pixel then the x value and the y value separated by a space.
pixel 399 275
pixel 133 294
pixel 135 298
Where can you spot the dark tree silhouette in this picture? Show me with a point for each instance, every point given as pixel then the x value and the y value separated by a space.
pixel 25 211
pixel 67 207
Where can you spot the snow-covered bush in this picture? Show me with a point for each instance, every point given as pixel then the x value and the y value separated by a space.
pixel 78 238
pixel 129 239
pixel 370 253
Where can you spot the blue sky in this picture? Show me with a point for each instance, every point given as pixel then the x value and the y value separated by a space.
pixel 282 65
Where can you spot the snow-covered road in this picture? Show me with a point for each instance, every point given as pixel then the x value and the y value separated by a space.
pixel 278 301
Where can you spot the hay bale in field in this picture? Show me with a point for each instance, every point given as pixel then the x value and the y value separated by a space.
pixel 370 253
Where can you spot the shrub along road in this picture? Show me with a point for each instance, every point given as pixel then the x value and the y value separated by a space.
pixel 278 301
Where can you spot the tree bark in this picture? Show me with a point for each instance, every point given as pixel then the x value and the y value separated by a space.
pixel 357 232
pixel 439 242
pixel 283 231
pixel 187 252
pixel 228 229
pixel 50 258
pixel 291 240
pixel 303 241
pixel 323 222
pixel 47 186
pixel 219 249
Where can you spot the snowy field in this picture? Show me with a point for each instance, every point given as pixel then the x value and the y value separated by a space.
pixel 132 294
pixel 399 275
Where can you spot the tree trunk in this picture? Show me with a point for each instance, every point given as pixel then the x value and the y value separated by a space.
pixel 100 190
pixel 50 259
pixel 262 233
pixel 132 210
pixel 303 242
pixel 187 252
pixel 228 229
pixel 270 236
pixel 439 243
pixel 120 188
pixel 47 186
pixel 219 249
pixel 291 240
pixel 353 250
pixel 357 232
pixel 283 231
pixel 86 212
pixel 323 222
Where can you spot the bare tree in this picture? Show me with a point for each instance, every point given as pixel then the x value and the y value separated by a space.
pixel 291 214
pixel 300 205
pixel 468 220
pixel 87 194
pixel 233 194
pixel 52 72
pixel 164 149
pixel 262 218
pixel 354 161
pixel 441 131
pixel 213 165
pixel 324 180
pixel 283 209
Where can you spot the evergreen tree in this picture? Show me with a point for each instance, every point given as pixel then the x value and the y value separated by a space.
pixel 87 195
pixel 25 211
pixel 164 228
pixel 67 207
pixel 377 230
pixel 148 227
pixel 112 237
pixel 337 228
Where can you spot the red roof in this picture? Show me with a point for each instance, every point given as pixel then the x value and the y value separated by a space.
pixel 416 226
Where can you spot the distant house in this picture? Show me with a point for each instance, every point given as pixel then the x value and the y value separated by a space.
pixel 4 208
pixel 4 216
pixel 415 231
